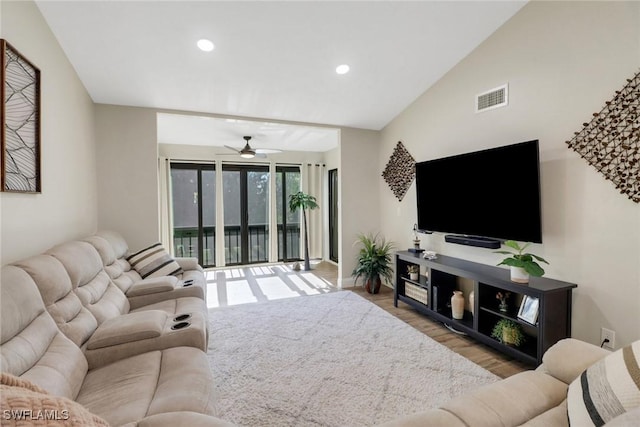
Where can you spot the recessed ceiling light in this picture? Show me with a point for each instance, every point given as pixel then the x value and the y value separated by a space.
pixel 342 69
pixel 205 45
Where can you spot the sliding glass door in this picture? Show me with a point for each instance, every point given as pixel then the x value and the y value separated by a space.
pixel 246 214
pixel 193 188
pixel 333 215
pixel 287 183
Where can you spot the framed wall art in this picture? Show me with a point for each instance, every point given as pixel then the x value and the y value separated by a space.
pixel 20 116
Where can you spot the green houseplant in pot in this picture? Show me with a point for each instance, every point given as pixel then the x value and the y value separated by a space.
pixel 522 264
pixel 304 202
pixel 508 332
pixel 373 262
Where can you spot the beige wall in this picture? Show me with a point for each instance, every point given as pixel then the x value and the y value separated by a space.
pixel 360 176
pixel 562 61
pixel 67 207
pixel 128 173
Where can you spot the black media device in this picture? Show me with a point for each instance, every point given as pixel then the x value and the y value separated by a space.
pixel 482 197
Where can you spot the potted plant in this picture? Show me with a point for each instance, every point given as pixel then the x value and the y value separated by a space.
pixel 374 261
pixel 503 297
pixel 303 201
pixel 522 264
pixel 508 332
pixel 414 271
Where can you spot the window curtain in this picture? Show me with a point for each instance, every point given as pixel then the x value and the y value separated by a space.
pixel 165 204
pixel 312 179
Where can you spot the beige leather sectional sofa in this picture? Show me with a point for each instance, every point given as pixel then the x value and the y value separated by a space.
pixel 81 330
pixel 70 329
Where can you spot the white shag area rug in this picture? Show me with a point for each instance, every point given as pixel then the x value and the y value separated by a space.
pixel 328 360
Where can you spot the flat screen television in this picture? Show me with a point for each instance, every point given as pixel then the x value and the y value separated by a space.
pixel 492 194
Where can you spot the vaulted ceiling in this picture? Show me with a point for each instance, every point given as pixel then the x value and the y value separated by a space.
pixel 272 60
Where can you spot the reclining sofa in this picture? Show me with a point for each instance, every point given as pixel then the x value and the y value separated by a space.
pixel 68 332
pixel 72 338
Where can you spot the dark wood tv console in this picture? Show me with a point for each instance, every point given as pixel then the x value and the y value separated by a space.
pixel 431 295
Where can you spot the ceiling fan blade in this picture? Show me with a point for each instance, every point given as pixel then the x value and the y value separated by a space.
pixel 231 148
pixel 268 150
pixel 261 155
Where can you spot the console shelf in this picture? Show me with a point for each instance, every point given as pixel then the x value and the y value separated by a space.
pixel 441 276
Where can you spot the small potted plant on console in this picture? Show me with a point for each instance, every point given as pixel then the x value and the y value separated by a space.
pixel 414 271
pixel 508 332
pixel 522 264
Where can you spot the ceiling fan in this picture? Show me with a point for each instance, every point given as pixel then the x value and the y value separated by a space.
pixel 249 153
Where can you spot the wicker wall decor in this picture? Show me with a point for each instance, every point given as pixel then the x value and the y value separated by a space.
pixel 400 171
pixel 610 142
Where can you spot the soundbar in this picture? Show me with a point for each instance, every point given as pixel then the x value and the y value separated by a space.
pixel 481 242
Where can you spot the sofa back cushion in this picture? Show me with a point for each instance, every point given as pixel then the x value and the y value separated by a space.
pixel 62 303
pixel 114 267
pixel 121 252
pixel 90 282
pixel 32 347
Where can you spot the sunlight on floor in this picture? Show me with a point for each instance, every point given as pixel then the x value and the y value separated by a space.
pixel 245 285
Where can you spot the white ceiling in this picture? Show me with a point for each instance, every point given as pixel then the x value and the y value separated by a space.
pixel 210 131
pixel 273 60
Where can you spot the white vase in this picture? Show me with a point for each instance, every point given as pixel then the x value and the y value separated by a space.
pixel 414 276
pixel 457 305
pixel 519 275
pixel 472 297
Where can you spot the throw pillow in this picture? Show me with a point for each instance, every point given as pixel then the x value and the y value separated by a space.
pixel 154 261
pixel 24 403
pixel 607 389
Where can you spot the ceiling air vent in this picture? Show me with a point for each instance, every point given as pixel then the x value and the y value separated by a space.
pixel 494 98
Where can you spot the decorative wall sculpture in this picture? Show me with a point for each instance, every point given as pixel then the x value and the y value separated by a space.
pixel 20 112
pixel 610 142
pixel 400 171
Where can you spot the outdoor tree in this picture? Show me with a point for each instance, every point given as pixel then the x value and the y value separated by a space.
pixel 305 202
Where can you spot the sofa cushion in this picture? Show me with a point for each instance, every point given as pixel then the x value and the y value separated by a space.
pixel 177 379
pixel 89 280
pixel 19 396
pixel 32 346
pixel 181 419
pixel 154 261
pixel 607 389
pixel 432 417
pixel 502 403
pixel 556 417
pixel 64 306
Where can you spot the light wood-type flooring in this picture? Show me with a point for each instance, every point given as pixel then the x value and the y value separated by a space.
pixel 485 356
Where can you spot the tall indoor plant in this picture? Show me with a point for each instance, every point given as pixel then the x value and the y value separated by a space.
pixel 303 201
pixel 374 261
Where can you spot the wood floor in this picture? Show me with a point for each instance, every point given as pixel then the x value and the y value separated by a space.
pixel 482 355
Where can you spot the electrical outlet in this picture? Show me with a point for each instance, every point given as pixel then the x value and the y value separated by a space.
pixel 608 334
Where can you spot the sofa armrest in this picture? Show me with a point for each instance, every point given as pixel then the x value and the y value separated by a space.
pixel 128 328
pixel 189 264
pixel 152 286
pixel 566 359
